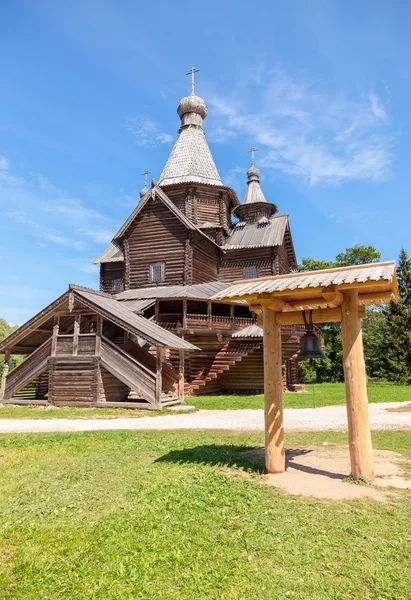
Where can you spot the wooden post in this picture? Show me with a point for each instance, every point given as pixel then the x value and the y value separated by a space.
pixel 273 395
pixel 76 334
pixel 6 367
pixel 359 433
pixel 184 314
pixel 181 377
pixel 99 332
pixel 56 326
pixel 209 313
pixel 159 383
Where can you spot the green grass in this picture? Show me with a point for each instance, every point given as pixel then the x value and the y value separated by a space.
pixel 155 515
pixel 66 412
pixel 325 394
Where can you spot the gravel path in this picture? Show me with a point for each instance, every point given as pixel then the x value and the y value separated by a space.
pixel 301 419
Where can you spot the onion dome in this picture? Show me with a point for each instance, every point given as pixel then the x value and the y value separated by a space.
pixel 192 104
pixel 255 207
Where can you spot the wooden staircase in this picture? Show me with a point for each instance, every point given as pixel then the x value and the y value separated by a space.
pixel 35 364
pixel 230 354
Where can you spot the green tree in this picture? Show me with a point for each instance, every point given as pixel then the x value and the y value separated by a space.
pixel 331 368
pixel 5 330
pixel 357 255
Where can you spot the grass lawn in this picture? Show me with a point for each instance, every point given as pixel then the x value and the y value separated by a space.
pixel 325 394
pixel 152 515
pixel 66 412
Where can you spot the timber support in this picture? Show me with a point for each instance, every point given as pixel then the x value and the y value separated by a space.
pixel 6 367
pixel 273 391
pixel 359 433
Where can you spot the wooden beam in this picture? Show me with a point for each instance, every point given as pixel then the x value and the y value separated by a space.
pixel 333 296
pixel 56 326
pixel 6 367
pixel 376 298
pixel 159 382
pixel 359 433
pixel 181 377
pixel 273 391
pixel 322 315
pixel 76 333
pixel 99 333
pixel 265 299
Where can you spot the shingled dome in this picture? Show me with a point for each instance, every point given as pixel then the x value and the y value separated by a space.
pixel 190 160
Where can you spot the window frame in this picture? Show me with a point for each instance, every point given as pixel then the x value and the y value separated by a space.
pixel 251 267
pixel 151 272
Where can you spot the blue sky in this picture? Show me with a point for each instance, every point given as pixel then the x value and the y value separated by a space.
pixel 88 97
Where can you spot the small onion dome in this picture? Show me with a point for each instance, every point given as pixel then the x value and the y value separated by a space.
pixel 143 191
pixel 192 104
pixel 253 174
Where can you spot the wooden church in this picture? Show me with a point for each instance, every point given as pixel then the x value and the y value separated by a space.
pixel 154 332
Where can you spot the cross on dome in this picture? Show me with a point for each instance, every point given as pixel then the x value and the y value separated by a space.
pixel 191 72
pixel 252 150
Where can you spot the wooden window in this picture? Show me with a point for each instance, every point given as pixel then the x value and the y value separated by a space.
pixel 157 272
pixel 251 272
pixel 117 285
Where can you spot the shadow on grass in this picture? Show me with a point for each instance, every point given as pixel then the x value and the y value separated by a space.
pixel 247 458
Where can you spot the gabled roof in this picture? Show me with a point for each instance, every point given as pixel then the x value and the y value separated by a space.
pixel 107 307
pixel 126 319
pixel 109 255
pixel 255 235
pixel 157 193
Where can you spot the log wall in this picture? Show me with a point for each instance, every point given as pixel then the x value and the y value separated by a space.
pixel 234 263
pixel 109 272
pixel 111 389
pixel 156 236
pixel 73 379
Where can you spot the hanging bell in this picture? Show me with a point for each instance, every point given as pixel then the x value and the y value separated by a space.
pixel 310 345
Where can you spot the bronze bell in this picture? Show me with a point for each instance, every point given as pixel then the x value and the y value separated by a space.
pixel 310 346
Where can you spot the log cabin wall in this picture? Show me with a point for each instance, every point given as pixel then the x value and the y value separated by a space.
pixel 202 203
pixel 234 263
pixel 73 379
pixel 112 277
pixel 110 388
pixel 156 236
pixel 246 376
pixel 281 260
pixel 205 258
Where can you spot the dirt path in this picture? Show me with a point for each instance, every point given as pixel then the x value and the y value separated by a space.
pixel 302 419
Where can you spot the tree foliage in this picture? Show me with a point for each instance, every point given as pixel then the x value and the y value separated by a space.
pixel 5 330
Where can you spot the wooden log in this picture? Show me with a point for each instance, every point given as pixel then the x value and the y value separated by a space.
pixel 76 334
pixel 181 377
pixel 359 433
pixel 99 333
pixel 273 391
pixel 159 363
pixel 322 315
pixel 6 367
pixel 56 326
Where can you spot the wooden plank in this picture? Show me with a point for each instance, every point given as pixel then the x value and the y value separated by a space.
pixel 273 391
pixel 76 333
pixel 359 433
pixel 56 326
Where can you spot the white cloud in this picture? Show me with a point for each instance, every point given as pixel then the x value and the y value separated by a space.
pixel 5 172
pixel 235 177
pixel 306 131
pixel 46 233
pixel 147 132
pixel 98 234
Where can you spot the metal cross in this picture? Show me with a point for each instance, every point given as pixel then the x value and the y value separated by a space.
pixel 146 174
pixel 191 72
pixel 252 150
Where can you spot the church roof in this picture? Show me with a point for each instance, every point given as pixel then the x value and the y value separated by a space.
pixel 254 192
pixel 255 235
pixel 109 255
pixel 190 160
pixel 157 192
